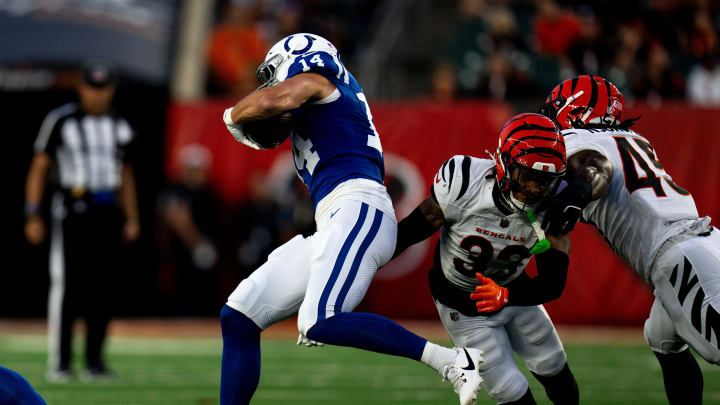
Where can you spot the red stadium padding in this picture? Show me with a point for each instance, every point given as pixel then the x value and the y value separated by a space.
pixel 418 136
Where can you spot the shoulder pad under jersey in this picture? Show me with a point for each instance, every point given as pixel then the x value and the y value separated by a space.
pixel 455 182
pixel 321 63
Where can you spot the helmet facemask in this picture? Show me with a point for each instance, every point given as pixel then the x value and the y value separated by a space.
pixel 532 186
pixel 527 187
pixel 267 71
pixel 576 116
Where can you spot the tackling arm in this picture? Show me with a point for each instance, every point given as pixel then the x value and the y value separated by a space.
pixel 548 285
pixel 588 177
pixel 592 168
pixel 424 221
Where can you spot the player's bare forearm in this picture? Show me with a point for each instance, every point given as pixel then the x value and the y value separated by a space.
pixel 128 195
pixel 432 212
pixel 35 184
pixel 423 222
pixel 592 167
pixel 287 95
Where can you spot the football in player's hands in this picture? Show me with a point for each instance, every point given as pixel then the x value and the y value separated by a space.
pixel 271 132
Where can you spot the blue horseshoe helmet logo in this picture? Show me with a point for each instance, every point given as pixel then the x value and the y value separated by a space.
pixel 299 51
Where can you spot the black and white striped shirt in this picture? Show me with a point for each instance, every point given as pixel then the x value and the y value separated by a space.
pixel 89 150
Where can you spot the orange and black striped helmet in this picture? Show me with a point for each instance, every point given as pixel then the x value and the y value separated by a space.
pixel 584 100
pixel 533 144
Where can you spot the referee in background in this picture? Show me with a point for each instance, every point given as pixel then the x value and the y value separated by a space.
pixel 85 147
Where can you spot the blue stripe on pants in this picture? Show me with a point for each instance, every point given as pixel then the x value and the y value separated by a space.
pixel 340 261
pixel 356 262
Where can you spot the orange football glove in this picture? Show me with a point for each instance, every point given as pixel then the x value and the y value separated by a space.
pixel 490 297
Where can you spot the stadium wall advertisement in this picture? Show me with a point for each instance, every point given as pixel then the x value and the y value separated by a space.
pixel 417 137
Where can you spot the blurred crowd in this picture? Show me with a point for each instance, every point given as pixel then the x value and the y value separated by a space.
pixel 652 50
pixel 205 245
pixel 501 49
pixel 246 29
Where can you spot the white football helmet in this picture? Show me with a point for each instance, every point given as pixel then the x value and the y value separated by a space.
pixel 278 60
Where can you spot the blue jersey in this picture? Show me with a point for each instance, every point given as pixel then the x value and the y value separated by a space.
pixel 334 140
pixel 16 390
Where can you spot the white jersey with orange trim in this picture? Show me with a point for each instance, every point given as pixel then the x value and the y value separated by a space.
pixel 477 236
pixel 643 207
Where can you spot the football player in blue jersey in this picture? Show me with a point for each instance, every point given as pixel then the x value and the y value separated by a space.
pixel 16 390
pixel 322 278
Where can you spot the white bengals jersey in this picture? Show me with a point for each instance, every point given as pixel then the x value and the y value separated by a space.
pixel 643 206
pixel 477 236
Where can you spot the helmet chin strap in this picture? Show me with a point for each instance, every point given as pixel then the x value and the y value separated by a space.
pixel 542 244
pixel 529 210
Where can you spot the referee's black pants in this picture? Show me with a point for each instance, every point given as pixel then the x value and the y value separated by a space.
pixel 84 255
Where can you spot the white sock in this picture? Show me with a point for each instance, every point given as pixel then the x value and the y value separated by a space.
pixel 437 356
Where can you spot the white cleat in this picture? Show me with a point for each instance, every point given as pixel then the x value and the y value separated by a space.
pixel 302 340
pixel 463 374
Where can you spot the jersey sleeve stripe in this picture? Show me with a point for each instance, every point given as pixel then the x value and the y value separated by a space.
pixel 465 176
pixel 452 172
pixel 341 70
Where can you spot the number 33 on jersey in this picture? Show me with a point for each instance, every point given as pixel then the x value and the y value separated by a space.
pixel 482 238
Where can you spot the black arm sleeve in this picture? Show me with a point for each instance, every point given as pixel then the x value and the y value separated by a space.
pixel 549 284
pixel 411 230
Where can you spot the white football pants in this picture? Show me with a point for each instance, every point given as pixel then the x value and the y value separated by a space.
pixel 686 277
pixel 322 275
pixel 527 331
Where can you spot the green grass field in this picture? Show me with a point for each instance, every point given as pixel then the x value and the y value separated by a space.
pixel 187 371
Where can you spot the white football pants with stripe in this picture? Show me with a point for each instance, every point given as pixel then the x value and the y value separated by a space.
pixel 322 275
pixel 686 311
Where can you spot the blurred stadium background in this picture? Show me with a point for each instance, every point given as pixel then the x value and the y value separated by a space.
pixel 442 77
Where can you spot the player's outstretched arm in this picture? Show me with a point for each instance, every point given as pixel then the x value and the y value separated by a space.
pixel 548 285
pixel 286 95
pixel 593 168
pixel 588 177
pixel 424 221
